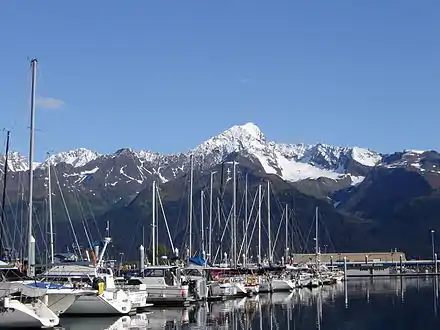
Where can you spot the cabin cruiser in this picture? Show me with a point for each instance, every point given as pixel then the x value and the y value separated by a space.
pixel 22 306
pixel 220 287
pixel 59 298
pixel 107 298
pixel 195 276
pixel 164 284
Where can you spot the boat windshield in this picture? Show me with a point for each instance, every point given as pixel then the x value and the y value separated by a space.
pixel 154 273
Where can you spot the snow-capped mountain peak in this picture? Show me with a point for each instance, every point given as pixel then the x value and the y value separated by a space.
pixel 236 138
pixel 16 162
pixel 77 157
pixel 244 131
pixel 365 157
pixel 292 162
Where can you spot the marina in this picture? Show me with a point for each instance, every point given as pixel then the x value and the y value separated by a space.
pixel 320 308
pixel 238 256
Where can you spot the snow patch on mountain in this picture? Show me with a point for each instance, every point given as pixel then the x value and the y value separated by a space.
pixel 365 156
pixel 121 171
pixel 297 171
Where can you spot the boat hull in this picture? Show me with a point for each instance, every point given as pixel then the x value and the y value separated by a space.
pixel 107 303
pixel 18 315
pixel 168 296
pixel 282 285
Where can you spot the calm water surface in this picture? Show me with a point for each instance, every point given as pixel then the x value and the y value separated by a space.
pixel 360 304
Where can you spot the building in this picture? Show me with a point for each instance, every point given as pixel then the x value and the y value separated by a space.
pixel 351 257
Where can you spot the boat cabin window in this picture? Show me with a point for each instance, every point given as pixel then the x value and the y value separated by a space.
pixel 104 271
pixel 56 279
pixel 169 277
pixel 192 272
pixel 154 273
pixel 85 280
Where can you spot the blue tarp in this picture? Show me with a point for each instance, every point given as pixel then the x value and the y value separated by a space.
pixel 198 261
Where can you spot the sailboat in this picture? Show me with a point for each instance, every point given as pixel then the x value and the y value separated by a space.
pixel 20 304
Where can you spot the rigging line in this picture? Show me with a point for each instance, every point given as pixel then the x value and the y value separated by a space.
pixel 93 216
pixel 223 233
pixel 14 218
pixel 276 237
pixel 253 228
pixel 247 225
pixel 164 218
pixel 67 211
pixel 297 235
pixel 17 227
pixel 82 215
pixel 308 235
pixel 37 218
pixel 184 244
pixel 84 219
pixel 325 229
pixel 5 179
pixel 22 224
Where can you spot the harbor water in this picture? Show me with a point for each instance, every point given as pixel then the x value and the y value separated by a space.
pixel 380 303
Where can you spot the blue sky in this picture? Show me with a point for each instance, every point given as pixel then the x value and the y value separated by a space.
pixel 166 75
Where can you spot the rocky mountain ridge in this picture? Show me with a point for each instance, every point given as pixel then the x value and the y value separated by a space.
pixel 357 189
pixel 292 162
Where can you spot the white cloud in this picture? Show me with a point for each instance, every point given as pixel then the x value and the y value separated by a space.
pixel 49 102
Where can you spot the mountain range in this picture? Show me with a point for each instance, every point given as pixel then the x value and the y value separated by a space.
pixel 367 200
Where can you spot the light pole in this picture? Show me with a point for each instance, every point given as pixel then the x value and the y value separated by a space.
pixel 433 243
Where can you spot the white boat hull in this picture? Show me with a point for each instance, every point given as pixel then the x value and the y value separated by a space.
pixel 282 285
pixel 265 286
pixel 59 300
pixel 168 294
pixel 107 303
pixel 222 290
pixel 32 315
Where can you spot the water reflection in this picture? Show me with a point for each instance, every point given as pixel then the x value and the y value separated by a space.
pixel 361 304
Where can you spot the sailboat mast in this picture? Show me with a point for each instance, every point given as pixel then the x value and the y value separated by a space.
pixel 210 217
pixel 191 204
pixel 219 219
pixel 31 240
pixel 316 232
pixel 5 178
pixel 259 224
pixel 49 201
pixel 246 217
pixel 234 218
pixel 268 222
pixel 287 233
pixel 154 225
pixel 202 224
